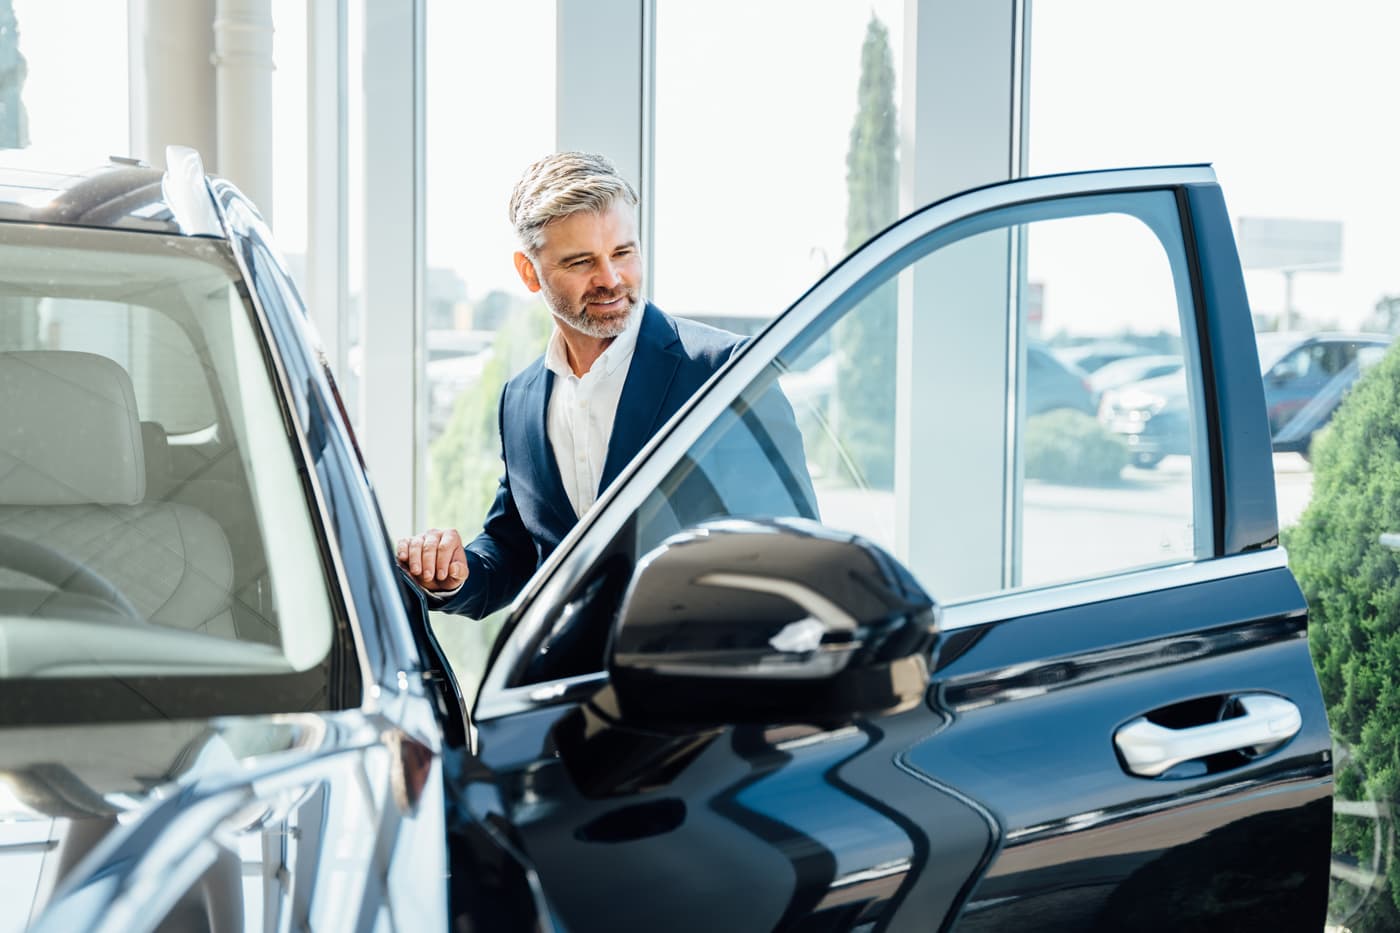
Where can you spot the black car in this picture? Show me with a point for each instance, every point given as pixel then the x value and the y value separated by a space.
pixel 1052 384
pixel 1305 377
pixel 223 706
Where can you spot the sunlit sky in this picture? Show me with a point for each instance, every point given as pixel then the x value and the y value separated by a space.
pixel 1295 105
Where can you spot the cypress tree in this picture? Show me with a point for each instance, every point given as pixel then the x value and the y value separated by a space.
pixel 19 316
pixel 14 122
pixel 865 340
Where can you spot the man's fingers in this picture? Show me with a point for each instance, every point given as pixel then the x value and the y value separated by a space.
pixel 435 559
pixel 449 550
pixel 430 554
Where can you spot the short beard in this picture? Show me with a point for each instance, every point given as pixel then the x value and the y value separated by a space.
pixel 592 327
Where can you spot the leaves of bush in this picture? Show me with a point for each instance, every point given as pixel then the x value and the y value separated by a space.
pixel 1067 446
pixel 1353 590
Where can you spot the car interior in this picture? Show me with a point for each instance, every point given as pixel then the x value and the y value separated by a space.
pixel 125 497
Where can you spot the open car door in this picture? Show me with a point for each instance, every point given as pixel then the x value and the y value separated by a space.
pixel 883 632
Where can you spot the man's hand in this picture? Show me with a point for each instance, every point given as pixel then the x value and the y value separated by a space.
pixel 435 559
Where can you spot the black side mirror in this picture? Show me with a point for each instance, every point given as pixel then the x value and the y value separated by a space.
pixel 775 621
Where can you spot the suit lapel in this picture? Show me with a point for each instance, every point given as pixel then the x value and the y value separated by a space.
pixel 537 437
pixel 640 407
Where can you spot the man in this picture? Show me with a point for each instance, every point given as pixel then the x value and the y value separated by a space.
pixel 616 368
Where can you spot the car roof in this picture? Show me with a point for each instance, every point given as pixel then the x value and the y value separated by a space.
pixel 1298 338
pixel 1145 360
pixel 1111 345
pixel 119 194
pixel 1275 345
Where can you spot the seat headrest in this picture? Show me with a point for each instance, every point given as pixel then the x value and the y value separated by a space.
pixel 69 431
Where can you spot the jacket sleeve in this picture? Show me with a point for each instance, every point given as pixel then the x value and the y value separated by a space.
pixel 750 462
pixel 502 557
pixel 772 415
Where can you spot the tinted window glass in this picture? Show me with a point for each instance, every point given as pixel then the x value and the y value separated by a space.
pixel 1081 482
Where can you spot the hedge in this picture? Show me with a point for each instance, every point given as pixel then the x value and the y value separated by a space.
pixel 1352 584
pixel 1067 446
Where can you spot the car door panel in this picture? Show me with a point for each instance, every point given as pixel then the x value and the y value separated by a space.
pixel 1002 801
pixel 1028 714
pixel 771 828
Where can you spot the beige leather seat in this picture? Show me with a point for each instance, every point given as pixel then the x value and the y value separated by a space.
pixel 73 478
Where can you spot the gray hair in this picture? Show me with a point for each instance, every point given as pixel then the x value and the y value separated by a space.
pixel 562 184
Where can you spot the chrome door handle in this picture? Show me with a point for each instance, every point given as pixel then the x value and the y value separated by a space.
pixel 1149 749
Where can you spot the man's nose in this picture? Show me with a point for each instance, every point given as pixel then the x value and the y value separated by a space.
pixel 607 275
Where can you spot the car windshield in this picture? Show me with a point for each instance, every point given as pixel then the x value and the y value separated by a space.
pixel 153 523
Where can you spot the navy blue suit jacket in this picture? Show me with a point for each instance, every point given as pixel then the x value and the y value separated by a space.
pixel 531 513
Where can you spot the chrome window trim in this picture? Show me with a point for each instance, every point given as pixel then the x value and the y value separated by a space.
pixel 970 613
pixel 1017 604
pixel 586 541
pixel 370 686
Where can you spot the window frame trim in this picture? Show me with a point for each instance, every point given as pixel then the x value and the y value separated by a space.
pixel 237 231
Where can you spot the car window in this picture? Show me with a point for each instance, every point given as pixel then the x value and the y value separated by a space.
pixel 1078 484
pixel 1311 361
pixel 154 519
pixel 1368 355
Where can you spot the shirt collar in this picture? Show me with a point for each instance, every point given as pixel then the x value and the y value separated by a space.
pixel 556 355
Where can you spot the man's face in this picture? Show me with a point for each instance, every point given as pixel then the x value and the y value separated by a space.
pixel 589 270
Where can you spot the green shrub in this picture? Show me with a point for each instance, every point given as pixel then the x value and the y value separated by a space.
pixel 1352 584
pixel 1067 446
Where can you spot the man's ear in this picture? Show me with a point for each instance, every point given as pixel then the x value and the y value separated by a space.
pixel 528 274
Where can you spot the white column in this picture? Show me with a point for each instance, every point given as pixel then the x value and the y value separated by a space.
pixel 604 101
pixel 392 414
pixel 172 94
pixel 243 65
pixel 327 233
pixel 961 120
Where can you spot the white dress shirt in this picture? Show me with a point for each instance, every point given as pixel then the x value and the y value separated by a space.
pixel 579 421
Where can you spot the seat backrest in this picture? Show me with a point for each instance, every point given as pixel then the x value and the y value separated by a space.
pixel 73 477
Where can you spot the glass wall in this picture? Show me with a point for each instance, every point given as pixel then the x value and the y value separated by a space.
pixel 1295 109
pixel 49 97
pixel 288 210
pixel 755 130
pixel 490 113
pixel 355 221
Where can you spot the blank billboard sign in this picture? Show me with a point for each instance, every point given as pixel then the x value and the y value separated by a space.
pixel 1290 245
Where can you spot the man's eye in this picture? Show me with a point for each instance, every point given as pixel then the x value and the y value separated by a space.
pixel 578 263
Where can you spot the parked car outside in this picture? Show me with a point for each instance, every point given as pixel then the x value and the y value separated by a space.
pixel 1306 365
pixel 1052 384
pixel 1300 371
pixel 1297 432
pixel 224 707
pixel 1134 369
pixel 1091 356
pixel 1153 416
